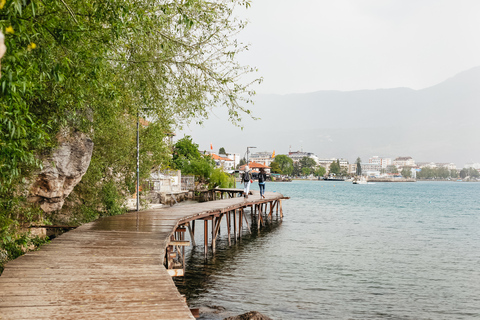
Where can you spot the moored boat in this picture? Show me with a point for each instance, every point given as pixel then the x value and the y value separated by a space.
pixel 360 180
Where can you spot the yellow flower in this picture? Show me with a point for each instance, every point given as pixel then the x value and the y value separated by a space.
pixel 2 3
pixel 31 46
pixel 9 30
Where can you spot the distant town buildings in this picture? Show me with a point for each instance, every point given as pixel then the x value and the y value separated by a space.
pixel 235 157
pixel 475 166
pixel 382 162
pixel 376 166
pixel 225 163
pixel 433 165
pixel 401 162
pixel 296 156
pixel 265 158
pixel 344 165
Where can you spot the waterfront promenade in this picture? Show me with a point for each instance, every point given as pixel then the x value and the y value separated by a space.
pixel 120 267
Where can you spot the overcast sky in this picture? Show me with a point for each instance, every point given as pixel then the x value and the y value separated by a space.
pixel 309 45
pixel 304 46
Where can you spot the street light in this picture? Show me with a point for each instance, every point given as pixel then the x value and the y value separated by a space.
pixel 138 157
pixel 138 161
pixel 247 152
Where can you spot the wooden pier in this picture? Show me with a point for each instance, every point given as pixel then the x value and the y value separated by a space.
pixel 120 267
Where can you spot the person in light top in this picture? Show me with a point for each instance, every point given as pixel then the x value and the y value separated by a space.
pixel 246 182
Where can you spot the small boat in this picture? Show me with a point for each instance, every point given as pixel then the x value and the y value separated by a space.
pixel 333 177
pixel 360 180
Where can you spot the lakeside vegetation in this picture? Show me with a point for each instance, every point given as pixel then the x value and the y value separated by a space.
pixel 306 166
pixel 95 67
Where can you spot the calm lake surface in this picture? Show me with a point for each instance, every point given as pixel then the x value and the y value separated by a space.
pixel 344 251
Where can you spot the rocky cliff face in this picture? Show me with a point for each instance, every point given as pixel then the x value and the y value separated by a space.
pixel 62 171
pixel 3 49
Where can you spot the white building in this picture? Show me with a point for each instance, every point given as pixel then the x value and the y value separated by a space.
pixel 325 162
pixel 265 158
pixel 383 162
pixel 431 165
pixel 296 156
pixel 401 162
pixel 475 166
pixel 225 163
pixel 233 156
pixel 449 166
pixel 371 167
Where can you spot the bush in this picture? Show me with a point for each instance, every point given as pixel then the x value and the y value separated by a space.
pixel 221 179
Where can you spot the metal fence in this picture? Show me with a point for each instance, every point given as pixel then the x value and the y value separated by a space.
pixel 188 183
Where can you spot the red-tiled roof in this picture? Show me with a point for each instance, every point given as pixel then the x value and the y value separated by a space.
pixel 217 157
pixel 254 165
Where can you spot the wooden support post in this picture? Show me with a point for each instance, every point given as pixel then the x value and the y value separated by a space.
pixel 191 230
pixel 205 233
pixel 217 226
pixel 259 216
pixel 183 252
pixel 213 234
pixel 252 216
pixel 228 227
pixel 281 209
pixel 169 256
pixel 235 225
pixel 240 222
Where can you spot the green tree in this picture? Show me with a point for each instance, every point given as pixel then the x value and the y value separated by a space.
pixel 307 162
pixel 94 66
pixel 285 163
pixel 275 168
pixel 222 151
pixel 242 162
pixel 335 167
pixel 406 172
pixel 320 171
pixel 221 179
pixel 392 169
pixel 358 171
pixel 306 171
pixel 297 169
pixel 189 160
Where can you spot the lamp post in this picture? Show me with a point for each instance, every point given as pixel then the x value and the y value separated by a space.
pixel 138 162
pixel 247 153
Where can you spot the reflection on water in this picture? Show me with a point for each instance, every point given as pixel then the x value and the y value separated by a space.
pixel 344 251
pixel 201 269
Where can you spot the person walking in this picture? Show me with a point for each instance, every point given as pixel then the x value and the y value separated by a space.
pixel 262 177
pixel 246 182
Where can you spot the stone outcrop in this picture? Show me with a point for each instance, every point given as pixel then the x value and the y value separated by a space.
pixel 252 315
pixel 62 171
pixel 3 48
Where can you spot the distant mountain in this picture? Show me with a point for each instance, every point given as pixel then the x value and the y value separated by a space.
pixel 439 123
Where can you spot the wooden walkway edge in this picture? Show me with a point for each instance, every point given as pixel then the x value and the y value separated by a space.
pixel 113 268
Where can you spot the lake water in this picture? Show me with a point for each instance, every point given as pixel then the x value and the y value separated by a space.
pixel 344 251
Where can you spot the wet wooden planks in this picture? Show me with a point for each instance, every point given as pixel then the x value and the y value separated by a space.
pixel 108 269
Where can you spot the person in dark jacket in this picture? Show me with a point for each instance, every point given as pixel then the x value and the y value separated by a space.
pixel 262 177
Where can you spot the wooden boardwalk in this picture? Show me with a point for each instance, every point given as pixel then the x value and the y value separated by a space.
pixel 114 268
